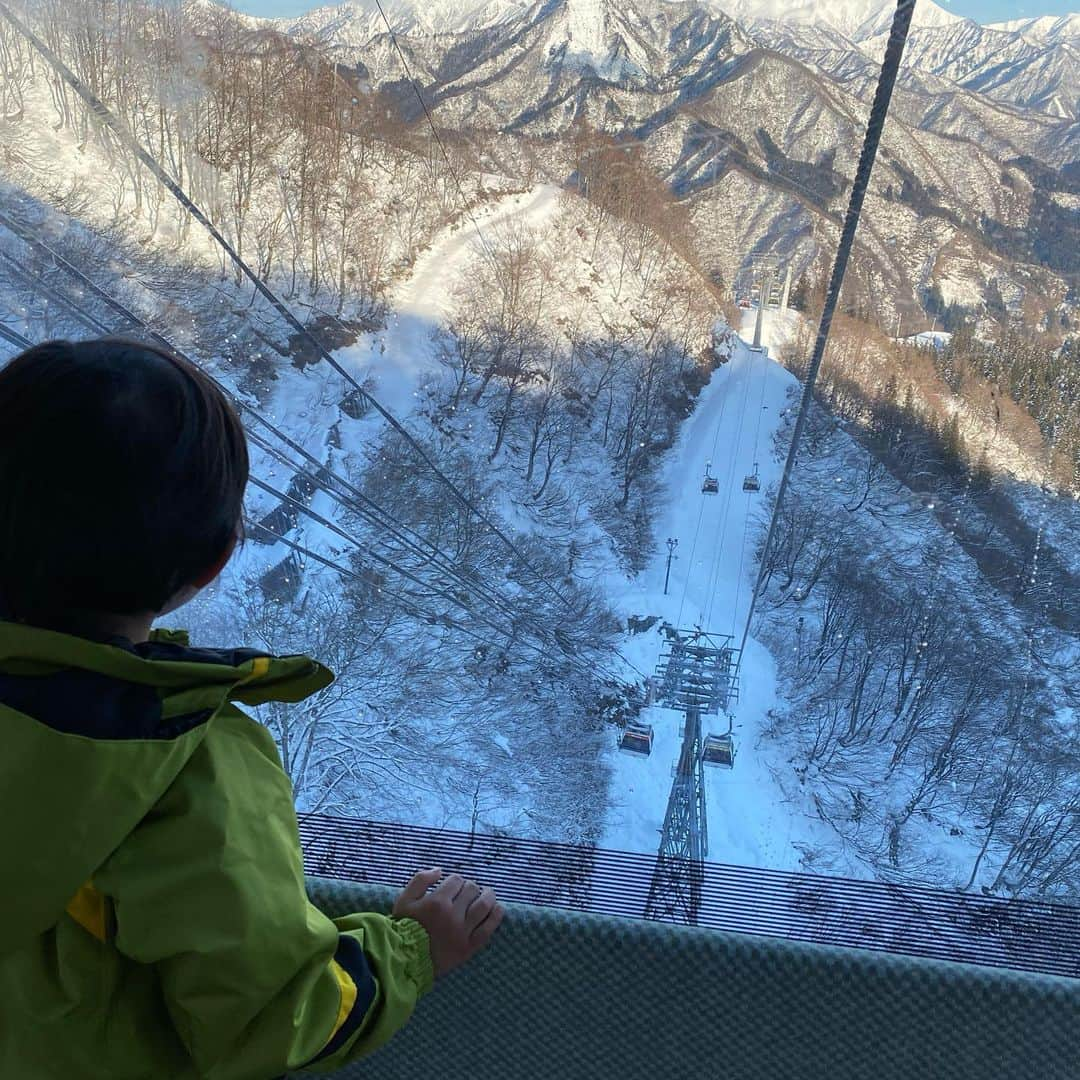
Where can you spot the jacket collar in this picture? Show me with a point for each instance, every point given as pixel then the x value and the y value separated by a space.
pixel 166 662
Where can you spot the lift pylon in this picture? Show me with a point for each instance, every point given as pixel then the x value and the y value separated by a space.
pixel 675 889
pixel 698 674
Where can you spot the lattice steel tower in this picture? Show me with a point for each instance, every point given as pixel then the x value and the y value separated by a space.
pixel 699 675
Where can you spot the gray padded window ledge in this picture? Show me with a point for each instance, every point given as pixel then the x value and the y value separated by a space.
pixel 566 995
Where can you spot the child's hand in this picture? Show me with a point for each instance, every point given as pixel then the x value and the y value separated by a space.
pixel 458 915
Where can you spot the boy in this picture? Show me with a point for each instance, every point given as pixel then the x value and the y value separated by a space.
pixel 154 920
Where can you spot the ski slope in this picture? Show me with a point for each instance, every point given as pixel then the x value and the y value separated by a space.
pixel 749 821
pixel 402 353
pixel 396 358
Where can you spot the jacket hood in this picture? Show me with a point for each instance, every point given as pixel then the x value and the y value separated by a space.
pixel 93 735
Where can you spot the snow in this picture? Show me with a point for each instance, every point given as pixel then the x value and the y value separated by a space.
pixel 750 820
pixel 1044 28
pixel 356 22
pixel 402 353
pixel 360 19
pixel 938 339
pixel 591 41
pixel 856 19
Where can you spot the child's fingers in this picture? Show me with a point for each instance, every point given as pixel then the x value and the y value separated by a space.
pixel 469 892
pixel 449 887
pixel 479 909
pixel 419 884
pixel 482 934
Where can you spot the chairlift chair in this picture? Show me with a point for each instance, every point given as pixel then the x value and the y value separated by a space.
pixel 710 485
pixel 719 750
pixel 636 739
pixel 752 482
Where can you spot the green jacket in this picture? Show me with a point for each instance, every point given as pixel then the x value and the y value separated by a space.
pixel 153 919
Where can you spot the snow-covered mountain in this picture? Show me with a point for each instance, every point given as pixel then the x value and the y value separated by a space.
pixel 758 128
pixel 1050 29
pixel 858 20
pixel 1011 65
pixel 356 22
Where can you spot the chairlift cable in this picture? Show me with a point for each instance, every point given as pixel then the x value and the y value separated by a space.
pixel 103 113
pixel 381 520
pixel 875 126
pixel 383 560
pixel 410 606
pixel 510 634
pixel 25 343
pixel 732 474
pixel 407 605
pixel 319 519
pixel 471 587
pixel 438 137
pixel 100 327
pixel 241 405
pixel 746 520
pixel 40 285
pixel 14 337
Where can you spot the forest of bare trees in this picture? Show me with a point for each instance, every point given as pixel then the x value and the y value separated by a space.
pixel 286 153
pixel 922 694
pixel 567 383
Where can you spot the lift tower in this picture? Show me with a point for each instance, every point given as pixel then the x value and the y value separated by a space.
pixel 764 272
pixel 698 674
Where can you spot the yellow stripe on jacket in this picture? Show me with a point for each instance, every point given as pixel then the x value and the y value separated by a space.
pixel 348 996
pixel 87 908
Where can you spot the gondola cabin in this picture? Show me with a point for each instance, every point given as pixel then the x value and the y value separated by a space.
pixel 752 482
pixel 636 739
pixel 719 750
pixel 710 485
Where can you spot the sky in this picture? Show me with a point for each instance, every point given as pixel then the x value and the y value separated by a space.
pixel 989 11
pixel 983 10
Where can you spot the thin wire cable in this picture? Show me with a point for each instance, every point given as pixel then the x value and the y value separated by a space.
pixel 42 286
pixel 106 116
pixel 381 519
pixel 366 503
pixel 749 494
pixel 15 338
pixel 536 629
pixel 407 605
pixel 25 343
pixel 434 132
pixel 875 126
pixel 729 492
pixel 326 523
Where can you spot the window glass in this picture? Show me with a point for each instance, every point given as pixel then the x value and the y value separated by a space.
pixel 520 303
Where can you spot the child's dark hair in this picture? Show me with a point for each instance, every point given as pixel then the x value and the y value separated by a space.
pixel 122 474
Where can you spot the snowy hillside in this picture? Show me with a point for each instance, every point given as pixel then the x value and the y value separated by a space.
pixel 360 19
pixel 543 296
